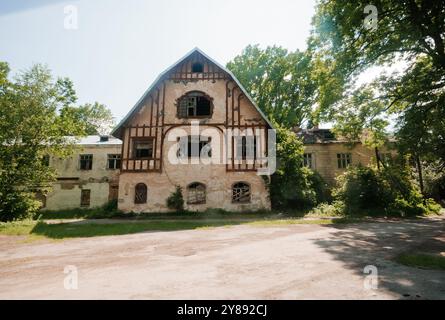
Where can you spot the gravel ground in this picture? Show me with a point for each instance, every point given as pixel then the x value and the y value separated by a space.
pixel 237 262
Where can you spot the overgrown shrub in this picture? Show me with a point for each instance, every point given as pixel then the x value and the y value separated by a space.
pixel 292 185
pixel 176 201
pixel 388 191
pixel 17 205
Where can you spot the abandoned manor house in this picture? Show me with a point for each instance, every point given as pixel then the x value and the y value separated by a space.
pixel 195 127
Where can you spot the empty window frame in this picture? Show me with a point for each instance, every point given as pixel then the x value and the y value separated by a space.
pixel 196 193
pixel 241 192
pixel 343 160
pixel 246 147
pixel 86 162
pixel 308 160
pixel 85 197
pixel 114 161
pixel 140 193
pixel 197 67
pixel 143 148
pixel 194 147
pixel 195 104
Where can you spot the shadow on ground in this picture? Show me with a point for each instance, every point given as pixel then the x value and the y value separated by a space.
pixel 81 229
pixel 379 243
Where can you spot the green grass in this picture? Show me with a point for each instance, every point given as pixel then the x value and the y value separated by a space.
pixel 427 261
pixel 80 229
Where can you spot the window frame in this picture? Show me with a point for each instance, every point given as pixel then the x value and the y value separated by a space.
pixel 142 199
pixel 201 144
pixel 344 160
pixel 180 114
pixel 191 191
pixel 135 141
pixel 86 161
pixel 117 161
pixel 236 186
pixel 309 155
pixel 241 147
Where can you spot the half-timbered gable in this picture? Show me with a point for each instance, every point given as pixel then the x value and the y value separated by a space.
pixel 195 100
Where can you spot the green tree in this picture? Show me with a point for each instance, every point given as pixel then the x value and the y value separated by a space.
pixel 30 130
pixel 96 118
pixel 407 31
pixel 279 81
pixel 292 185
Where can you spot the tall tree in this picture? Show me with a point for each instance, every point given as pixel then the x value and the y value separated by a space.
pixel 95 118
pixel 279 81
pixel 411 31
pixel 31 129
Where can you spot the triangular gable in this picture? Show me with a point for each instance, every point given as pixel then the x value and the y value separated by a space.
pixel 172 68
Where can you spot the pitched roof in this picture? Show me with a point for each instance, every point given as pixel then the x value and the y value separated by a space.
pixel 96 140
pixel 165 72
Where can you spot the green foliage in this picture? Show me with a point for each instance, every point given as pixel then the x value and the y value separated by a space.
pixel 95 119
pixel 176 201
pixel 389 191
pixel 292 185
pixel 279 81
pixel 412 32
pixel 30 129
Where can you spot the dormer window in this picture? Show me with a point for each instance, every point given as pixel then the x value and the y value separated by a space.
pixel 197 67
pixel 195 104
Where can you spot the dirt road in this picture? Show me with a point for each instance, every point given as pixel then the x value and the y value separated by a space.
pixel 237 262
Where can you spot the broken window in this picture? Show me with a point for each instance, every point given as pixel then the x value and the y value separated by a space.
pixel 140 194
pixel 114 161
pixel 86 161
pixel 343 160
pixel 246 147
pixel 241 193
pixel 143 148
pixel 197 67
pixel 194 146
pixel 85 196
pixel 194 104
pixel 196 193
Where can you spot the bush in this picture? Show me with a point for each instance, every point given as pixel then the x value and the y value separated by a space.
pixel 18 205
pixel 389 191
pixel 292 186
pixel 176 201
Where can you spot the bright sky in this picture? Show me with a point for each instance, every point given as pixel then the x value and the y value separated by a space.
pixel 120 46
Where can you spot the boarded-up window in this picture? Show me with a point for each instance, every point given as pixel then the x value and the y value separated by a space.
pixel 241 193
pixel 140 193
pixel 113 192
pixel 196 193
pixel 85 196
pixel 86 161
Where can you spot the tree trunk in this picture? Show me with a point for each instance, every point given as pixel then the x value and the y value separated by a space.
pixel 419 170
pixel 377 158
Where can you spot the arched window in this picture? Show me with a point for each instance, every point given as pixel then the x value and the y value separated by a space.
pixel 195 104
pixel 196 193
pixel 140 193
pixel 241 192
pixel 197 67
